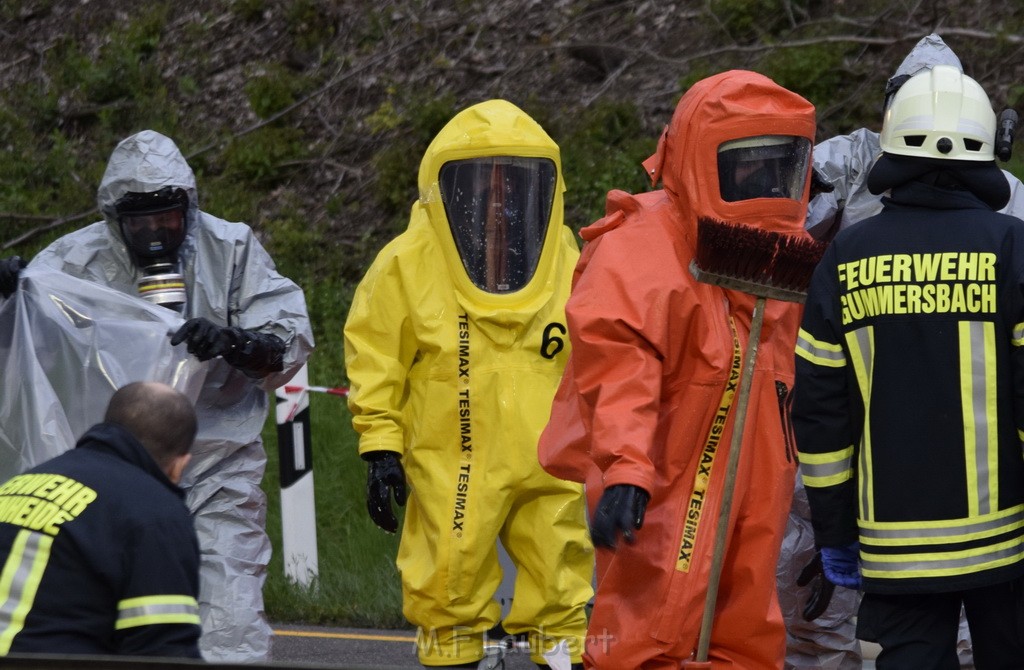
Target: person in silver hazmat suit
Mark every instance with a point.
(828, 642)
(248, 321)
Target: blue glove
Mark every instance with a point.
(842, 565)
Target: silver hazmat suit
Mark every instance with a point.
(230, 280)
(829, 641)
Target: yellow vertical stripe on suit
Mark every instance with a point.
(19, 581)
(861, 343)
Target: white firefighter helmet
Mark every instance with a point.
(940, 113)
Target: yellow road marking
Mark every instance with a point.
(347, 636)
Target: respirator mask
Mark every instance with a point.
(153, 226)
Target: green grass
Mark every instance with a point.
(358, 584)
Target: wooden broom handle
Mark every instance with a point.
(717, 557)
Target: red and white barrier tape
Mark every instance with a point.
(302, 390)
(333, 390)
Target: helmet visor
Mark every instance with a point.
(499, 209)
(767, 166)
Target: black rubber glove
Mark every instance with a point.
(9, 269)
(384, 477)
(255, 354)
(821, 588)
(819, 184)
(621, 508)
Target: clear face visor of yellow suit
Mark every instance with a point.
(498, 210)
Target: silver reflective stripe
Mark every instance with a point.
(941, 564)
(19, 582)
(818, 352)
(980, 416)
(161, 609)
(828, 469)
(944, 531)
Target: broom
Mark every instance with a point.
(767, 265)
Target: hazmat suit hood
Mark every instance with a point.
(729, 106)
(929, 51)
(143, 163)
(495, 128)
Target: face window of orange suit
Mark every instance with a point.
(498, 210)
(764, 166)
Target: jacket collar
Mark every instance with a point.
(115, 440)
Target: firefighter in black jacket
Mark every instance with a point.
(910, 380)
(98, 551)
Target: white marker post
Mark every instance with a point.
(298, 509)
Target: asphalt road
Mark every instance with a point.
(358, 649)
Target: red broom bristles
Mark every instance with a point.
(757, 256)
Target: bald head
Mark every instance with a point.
(159, 417)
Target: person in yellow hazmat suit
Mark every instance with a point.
(454, 346)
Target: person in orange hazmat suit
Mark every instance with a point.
(644, 413)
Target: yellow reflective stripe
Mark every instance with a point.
(826, 458)
(861, 343)
(810, 481)
(941, 531)
(161, 609)
(19, 582)
(819, 353)
(826, 469)
(941, 564)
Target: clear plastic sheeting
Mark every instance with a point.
(66, 345)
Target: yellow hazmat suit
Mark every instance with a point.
(455, 344)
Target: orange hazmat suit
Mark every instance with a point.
(647, 395)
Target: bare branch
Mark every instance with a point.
(38, 230)
(338, 78)
(607, 82)
(793, 44)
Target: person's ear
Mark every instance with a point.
(177, 466)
